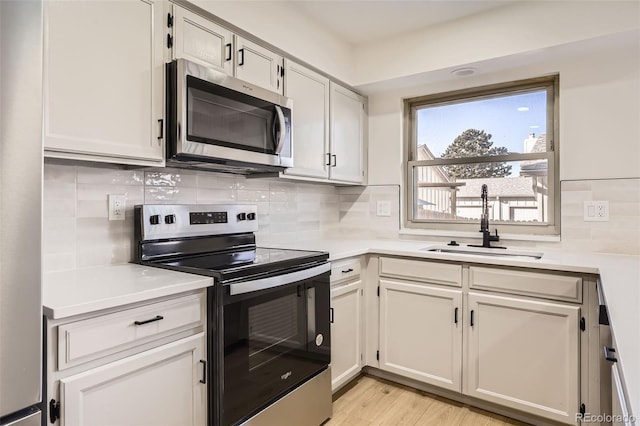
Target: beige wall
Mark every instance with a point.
(279, 24)
(523, 26)
(599, 110)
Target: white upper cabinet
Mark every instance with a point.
(200, 40)
(259, 66)
(328, 127)
(310, 93)
(103, 81)
(347, 135)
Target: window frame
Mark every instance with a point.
(411, 105)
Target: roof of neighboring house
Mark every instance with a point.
(520, 186)
(424, 153)
(535, 165)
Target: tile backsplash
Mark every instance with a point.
(77, 232)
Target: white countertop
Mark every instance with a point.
(619, 274)
(81, 291)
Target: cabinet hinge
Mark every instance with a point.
(603, 315)
(583, 409)
(169, 41)
(169, 20)
(583, 324)
(378, 291)
(361, 357)
(54, 410)
(377, 355)
(361, 292)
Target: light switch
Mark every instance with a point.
(596, 211)
(383, 208)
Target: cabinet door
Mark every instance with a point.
(620, 410)
(421, 332)
(347, 135)
(200, 40)
(310, 93)
(346, 333)
(103, 72)
(157, 387)
(524, 354)
(259, 66)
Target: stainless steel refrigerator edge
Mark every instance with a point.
(21, 170)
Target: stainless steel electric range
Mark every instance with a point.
(269, 341)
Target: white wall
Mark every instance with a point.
(279, 24)
(599, 108)
(524, 26)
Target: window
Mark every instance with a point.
(503, 136)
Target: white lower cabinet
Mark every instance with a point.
(524, 354)
(161, 386)
(346, 332)
(421, 332)
(506, 347)
(145, 364)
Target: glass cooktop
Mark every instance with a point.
(243, 263)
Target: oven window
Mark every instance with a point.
(273, 329)
(217, 115)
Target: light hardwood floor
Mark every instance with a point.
(373, 401)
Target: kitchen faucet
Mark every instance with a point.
(487, 238)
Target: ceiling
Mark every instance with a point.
(366, 21)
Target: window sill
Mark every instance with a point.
(465, 234)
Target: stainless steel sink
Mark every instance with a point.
(490, 252)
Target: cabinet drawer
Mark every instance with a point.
(343, 270)
(93, 338)
(556, 287)
(433, 272)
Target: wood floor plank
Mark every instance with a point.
(376, 402)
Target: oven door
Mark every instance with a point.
(276, 336)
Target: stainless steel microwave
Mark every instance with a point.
(217, 122)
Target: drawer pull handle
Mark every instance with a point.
(157, 318)
(331, 315)
(608, 354)
(204, 371)
(346, 271)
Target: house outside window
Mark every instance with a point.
(503, 136)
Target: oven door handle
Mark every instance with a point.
(277, 281)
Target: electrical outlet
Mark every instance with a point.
(383, 208)
(596, 211)
(116, 206)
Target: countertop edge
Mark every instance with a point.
(120, 301)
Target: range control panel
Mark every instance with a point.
(158, 221)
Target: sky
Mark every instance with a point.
(508, 119)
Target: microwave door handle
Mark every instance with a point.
(280, 134)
